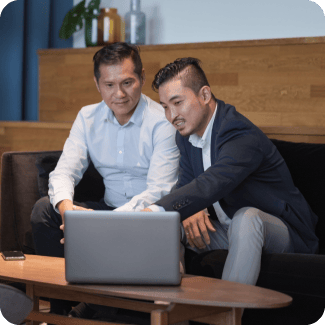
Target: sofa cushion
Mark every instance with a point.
(306, 164)
(289, 273)
(90, 188)
(45, 164)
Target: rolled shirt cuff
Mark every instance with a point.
(156, 208)
(58, 198)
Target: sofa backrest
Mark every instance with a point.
(25, 175)
(19, 192)
(24, 180)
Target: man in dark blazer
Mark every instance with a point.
(234, 189)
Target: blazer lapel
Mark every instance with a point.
(197, 161)
(215, 129)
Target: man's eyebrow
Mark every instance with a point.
(170, 99)
(112, 81)
(174, 97)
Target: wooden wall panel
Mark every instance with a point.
(65, 85)
(33, 136)
(273, 82)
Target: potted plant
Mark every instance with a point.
(73, 21)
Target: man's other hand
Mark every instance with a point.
(196, 229)
(66, 206)
(146, 210)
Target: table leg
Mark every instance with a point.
(221, 316)
(234, 316)
(30, 293)
(159, 317)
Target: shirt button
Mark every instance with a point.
(120, 152)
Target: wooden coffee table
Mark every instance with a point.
(198, 298)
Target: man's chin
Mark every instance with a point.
(184, 133)
(126, 108)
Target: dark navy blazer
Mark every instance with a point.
(246, 170)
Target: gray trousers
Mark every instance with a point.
(250, 233)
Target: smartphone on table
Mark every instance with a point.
(13, 255)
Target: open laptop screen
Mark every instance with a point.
(122, 247)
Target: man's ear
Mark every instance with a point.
(96, 83)
(143, 77)
(205, 93)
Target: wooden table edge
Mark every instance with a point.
(161, 314)
(178, 309)
(122, 295)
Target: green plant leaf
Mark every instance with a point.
(72, 21)
(94, 4)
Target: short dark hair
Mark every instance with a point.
(116, 53)
(195, 78)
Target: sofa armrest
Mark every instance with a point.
(7, 229)
(19, 192)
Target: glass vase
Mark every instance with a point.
(109, 26)
(135, 25)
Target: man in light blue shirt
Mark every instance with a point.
(129, 141)
(137, 159)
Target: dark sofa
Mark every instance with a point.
(24, 180)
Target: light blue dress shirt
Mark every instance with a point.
(138, 160)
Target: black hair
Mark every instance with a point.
(195, 77)
(116, 53)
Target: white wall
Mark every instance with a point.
(187, 21)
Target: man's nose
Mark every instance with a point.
(173, 114)
(120, 92)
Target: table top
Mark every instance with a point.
(50, 272)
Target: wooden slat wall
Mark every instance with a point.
(277, 82)
(33, 136)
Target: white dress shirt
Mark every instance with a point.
(205, 144)
(138, 160)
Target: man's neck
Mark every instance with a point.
(125, 118)
(212, 107)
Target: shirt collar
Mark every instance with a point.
(199, 142)
(137, 116)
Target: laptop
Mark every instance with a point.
(122, 247)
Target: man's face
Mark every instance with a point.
(184, 109)
(120, 88)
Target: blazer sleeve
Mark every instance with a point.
(238, 155)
